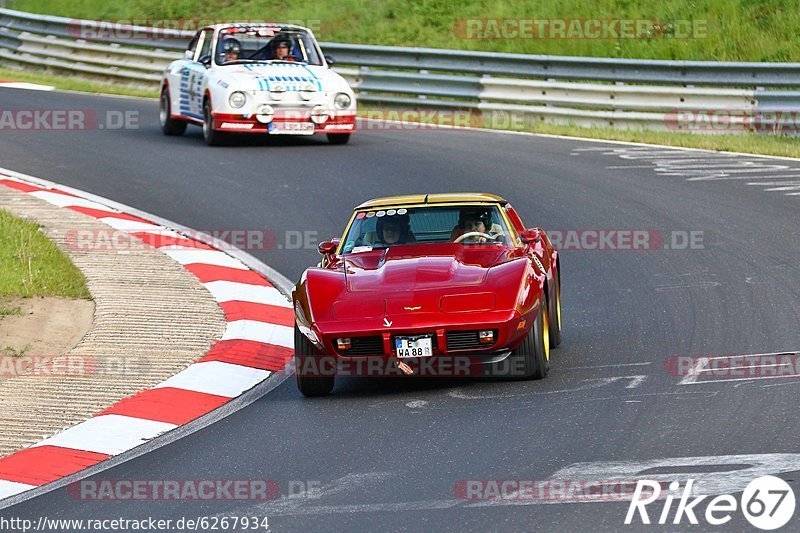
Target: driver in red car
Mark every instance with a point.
(474, 220)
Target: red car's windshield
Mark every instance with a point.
(468, 224)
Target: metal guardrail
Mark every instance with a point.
(558, 89)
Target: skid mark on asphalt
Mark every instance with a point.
(698, 166)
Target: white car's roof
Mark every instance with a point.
(217, 27)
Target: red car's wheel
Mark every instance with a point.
(312, 378)
(531, 359)
(555, 309)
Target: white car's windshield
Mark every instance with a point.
(247, 44)
(467, 224)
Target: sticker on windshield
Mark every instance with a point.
(380, 214)
(391, 212)
(359, 249)
(371, 214)
(402, 211)
(360, 215)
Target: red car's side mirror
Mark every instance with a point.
(531, 236)
(328, 247)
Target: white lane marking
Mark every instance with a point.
(694, 372)
(744, 469)
(416, 404)
(65, 200)
(697, 165)
(587, 384)
(26, 86)
(210, 257)
(130, 226)
(603, 366)
(109, 434)
(215, 377)
(252, 330)
(231, 291)
(10, 488)
(701, 285)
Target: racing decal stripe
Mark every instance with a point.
(37, 466)
(174, 406)
(257, 342)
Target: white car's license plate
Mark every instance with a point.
(406, 348)
(291, 128)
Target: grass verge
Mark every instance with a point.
(70, 83)
(32, 265)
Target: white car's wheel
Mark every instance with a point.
(211, 136)
(169, 125)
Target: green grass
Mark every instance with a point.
(68, 83)
(14, 311)
(32, 265)
(13, 352)
(736, 30)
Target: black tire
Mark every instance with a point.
(211, 136)
(531, 359)
(555, 310)
(307, 368)
(338, 138)
(169, 125)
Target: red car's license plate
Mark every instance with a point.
(406, 348)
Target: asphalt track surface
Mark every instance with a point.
(387, 453)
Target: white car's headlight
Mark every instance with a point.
(307, 91)
(276, 92)
(265, 113)
(341, 101)
(237, 99)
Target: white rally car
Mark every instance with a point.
(256, 78)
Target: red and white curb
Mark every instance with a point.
(257, 342)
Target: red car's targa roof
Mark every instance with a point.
(441, 198)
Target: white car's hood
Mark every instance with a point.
(291, 76)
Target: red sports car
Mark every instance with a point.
(429, 284)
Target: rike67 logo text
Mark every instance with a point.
(767, 503)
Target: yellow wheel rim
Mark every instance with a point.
(546, 332)
(558, 306)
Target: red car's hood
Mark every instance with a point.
(422, 266)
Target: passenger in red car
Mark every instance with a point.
(394, 230)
